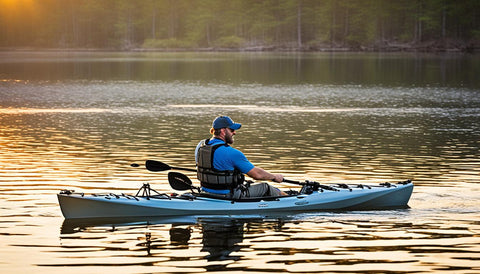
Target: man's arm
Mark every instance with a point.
(260, 174)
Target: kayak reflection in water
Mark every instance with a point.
(179, 236)
(221, 168)
(221, 238)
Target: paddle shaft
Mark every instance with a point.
(183, 168)
(292, 182)
(153, 165)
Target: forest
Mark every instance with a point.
(240, 24)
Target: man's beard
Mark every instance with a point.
(229, 139)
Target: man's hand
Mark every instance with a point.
(278, 178)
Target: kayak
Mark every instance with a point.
(312, 197)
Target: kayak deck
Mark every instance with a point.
(335, 197)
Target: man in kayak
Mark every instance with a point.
(221, 168)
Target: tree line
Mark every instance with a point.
(246, 24)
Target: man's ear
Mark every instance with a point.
(223, 132)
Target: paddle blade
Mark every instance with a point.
(152, 165)
(179, 181)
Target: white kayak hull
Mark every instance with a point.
(75, 205)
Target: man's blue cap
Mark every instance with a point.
(225, 121)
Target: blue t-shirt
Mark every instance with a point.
(227, 157)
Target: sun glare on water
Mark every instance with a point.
(42, 110)
(17, 7)
(15, 3)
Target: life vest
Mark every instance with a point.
(211, 177)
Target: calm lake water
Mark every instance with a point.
(78, 120)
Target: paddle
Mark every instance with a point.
(155, 166)
(180, 181)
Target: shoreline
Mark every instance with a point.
(427, 47)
